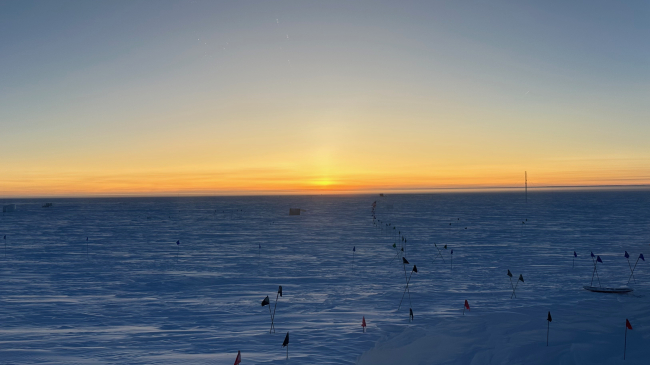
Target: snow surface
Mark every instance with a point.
(129, 301)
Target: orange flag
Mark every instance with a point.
(238, 359)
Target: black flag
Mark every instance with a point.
(411, 313)
(404, 260)
(509, 273)
(445, 247)
(266, 301)
(415, 268)
(549, 317)
(521, 278)
(279, 290)
(286, 340)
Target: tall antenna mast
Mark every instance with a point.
(526, 185)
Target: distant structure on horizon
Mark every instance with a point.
(294, 211)
(526, 185)
(381, 195)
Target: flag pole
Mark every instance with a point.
(274, 308)
(521, 278)
(406, 289)
(548, 327)
(574, 260)
(178, 248)
(594, 271)
(628, 280)
(511, 285)
(625, 344)
(273, 316)
(452, 260)
(439, 253)
(630, 265)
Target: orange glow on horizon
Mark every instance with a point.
(269, 182)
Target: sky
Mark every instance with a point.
(274, 97)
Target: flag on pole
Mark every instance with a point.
(411, 313)
(363, 323)
(238, 359)
(592, 254)
(521, 278)
(627, 255)
(415, 268)
(280, 290)
(575, 254)
(178, 242)
(509, 273)
(466, 304)
(286, 343)
(549, 318)
(641, 257)
(598, 259)
(394, 245)
(628, 326)
(404, 261)
(266, 301)
(354, 248)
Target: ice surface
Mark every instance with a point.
(124, 297)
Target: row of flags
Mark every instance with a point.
(285, 343)
(549, 319)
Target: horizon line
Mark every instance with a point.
(427, 190)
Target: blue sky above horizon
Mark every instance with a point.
(204, 96)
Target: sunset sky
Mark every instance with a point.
(255, 97)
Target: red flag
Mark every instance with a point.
(238, 359)
(466, 304)
(627, 324)
(363, 322)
